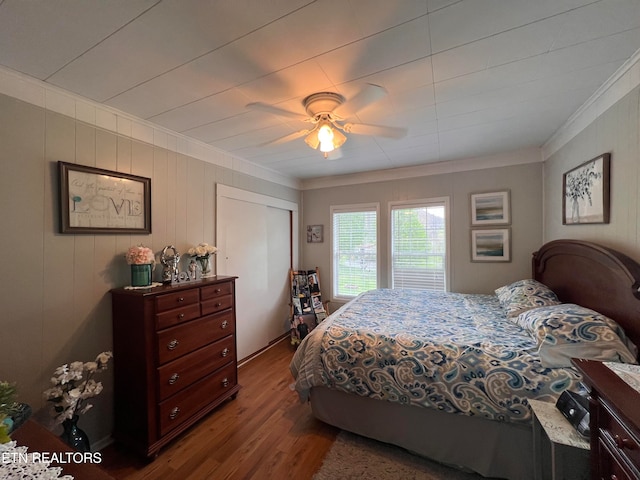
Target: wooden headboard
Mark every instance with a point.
(595, 277)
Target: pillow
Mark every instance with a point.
(568, 330)
(524, 295)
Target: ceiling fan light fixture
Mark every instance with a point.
(325, 136)
(338, 138)
(312, 139)
(328, 112)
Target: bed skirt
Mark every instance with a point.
(489, 448)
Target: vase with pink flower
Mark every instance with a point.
(141, 260)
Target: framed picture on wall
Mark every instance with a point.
(315, 234)
(93, 200)
(585, 192)
(491, 208)
(491, 245)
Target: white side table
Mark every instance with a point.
(554, 435)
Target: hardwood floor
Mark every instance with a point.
(265, 433)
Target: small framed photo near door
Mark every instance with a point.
(491, 245)
(314, 234)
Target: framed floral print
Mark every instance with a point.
(585, 192)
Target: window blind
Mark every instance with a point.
(418, 247)
(355, 247)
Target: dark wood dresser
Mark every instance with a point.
(174, 353)
(615, 423)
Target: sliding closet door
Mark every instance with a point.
(278, 265)
(254, 242)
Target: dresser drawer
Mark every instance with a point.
(189, 401)
(178, 299)
(184, 371)
(178, 315)
(217, 304)
(609, 466)
(218, 290)
(620, 440)
(177, 341)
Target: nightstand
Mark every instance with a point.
(615, 418)
(559, 451)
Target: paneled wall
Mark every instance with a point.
(55, 302)
(617, 131)
(523, 181)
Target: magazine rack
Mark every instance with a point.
(307, 308)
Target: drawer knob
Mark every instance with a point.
(173, 378)
(224, 324)
(181, 316)
(180, 299)
(174, 413)
(225, 382)
(173, 344)
(225, 352)
(218, 290)
(622, 442)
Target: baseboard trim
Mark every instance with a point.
(272, 343)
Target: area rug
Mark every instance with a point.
(356, 457)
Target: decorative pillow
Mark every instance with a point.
(568, 330)
(524, 295)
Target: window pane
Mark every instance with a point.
(418, 247)
(354, 252)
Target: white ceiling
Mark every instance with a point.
(466, 77)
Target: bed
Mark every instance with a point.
(449, 376)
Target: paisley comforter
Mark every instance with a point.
(454, 352)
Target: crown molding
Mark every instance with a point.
(517, 157)
(36, 92)
(623, 81)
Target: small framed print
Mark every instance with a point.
(490, 208)
(314, 234)
(491, 245)
(94, 201)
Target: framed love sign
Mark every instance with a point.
(93, 200)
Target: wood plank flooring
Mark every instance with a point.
(265, 433)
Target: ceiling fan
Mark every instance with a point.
(328, 112)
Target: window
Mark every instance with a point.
(419, 245)
(354, 240)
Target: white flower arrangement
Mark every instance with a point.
(70, 392)
(140, 255)
(202, 250)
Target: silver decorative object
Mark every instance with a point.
(186, 277)
(170, 264)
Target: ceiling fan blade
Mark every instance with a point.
(375, 130)
(288, 138)
(276, 111)
(368, 94)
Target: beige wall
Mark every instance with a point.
(617, 131)
(524, 182)
(55, 302)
